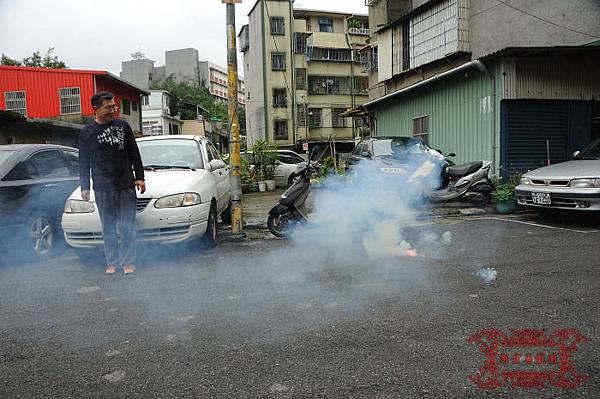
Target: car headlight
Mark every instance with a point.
(585, 183)
(177, 200)
(525, 180)
(78, 206)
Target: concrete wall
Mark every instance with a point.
(182, 64)
(159, 74)
(254, 69)
(384, 12)
(194, 127)
(137, 72)
(495, 26)
(278, 79)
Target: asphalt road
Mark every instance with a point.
(285, 319)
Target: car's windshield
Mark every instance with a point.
(592, 151)
(171, 152)
(5, 154)
(398, 147)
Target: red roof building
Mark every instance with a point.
(64, 94)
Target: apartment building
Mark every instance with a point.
(302, 73)
(157, 116)
(215, 78)
(183, 65)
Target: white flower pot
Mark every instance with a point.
(270, 185)
(262, 186)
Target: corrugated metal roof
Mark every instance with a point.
(549, 50)
(75, 71)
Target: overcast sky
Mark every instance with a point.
(100, 34)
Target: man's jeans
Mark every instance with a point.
(117, 212)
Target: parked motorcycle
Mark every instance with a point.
(290, 210)
(466, 182)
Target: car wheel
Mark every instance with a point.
(39, 235)
(210, 237)
(226, 214)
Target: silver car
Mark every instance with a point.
(573, 184)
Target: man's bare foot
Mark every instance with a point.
(128, 269)
(110, 270)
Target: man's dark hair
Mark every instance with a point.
(99, 97)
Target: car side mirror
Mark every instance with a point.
(576, 153)
(216, 164)
(451, 154)
(365, 154)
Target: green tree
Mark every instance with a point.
(6, 60)
(187, 95)
(36, 60)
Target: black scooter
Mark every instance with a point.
(290, 210)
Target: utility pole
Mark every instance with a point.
(234, 124)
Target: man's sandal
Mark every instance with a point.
(128, 269)
(110, 270)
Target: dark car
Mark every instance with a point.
(35, 181)
(392, 151)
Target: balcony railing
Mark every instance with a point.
(359, 31)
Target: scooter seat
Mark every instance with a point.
(464, 169)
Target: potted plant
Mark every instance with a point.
(504, 198)
(264, 164)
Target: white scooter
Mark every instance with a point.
(466, 182)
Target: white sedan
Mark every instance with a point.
(187, 188)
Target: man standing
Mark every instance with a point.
(107, 147)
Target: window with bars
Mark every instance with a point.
(126, 106)
(300, 42)
(331, 85)
(361, 85)
(279, 98)
(70, 100)
(300, 78)
(16, 101)
(421, 127)
(301, 115)
(329, 54)
(277, 26)
(278, 61)
(280, 129)
(315, 117)
(336, 119)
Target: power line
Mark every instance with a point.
(485, 10)
(547, 21)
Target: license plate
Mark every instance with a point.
(395, 171)
(541, 198)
